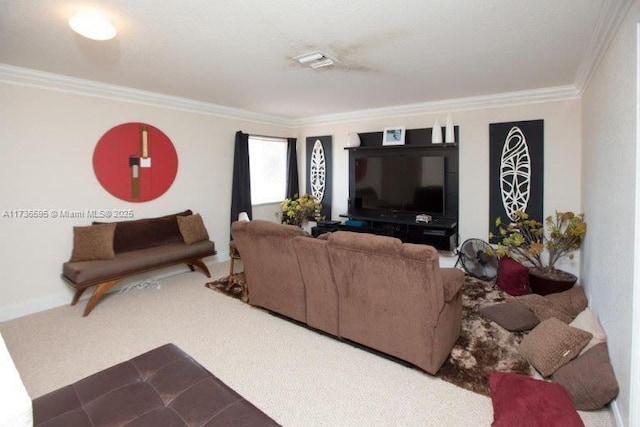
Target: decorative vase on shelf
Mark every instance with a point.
(449, 132)
(354, 140)
(436, 133)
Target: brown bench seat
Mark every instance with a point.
(88, 272)
(136, 247)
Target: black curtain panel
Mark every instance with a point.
(516, 171)
(293, 187)
(241, 187)
(319, 171)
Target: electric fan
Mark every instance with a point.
(475, 260)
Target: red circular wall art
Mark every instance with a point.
(135, 162)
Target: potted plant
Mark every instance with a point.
(527, 240)
(299, 210)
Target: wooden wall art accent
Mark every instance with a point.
(135, 162)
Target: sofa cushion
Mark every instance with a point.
(589, 379)
(93, 242)
(552, 344)
(15, 403)
(513, 277)
(511, 316)
(519, 400)
(192, 229)
(147, 233)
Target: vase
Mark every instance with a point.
(354, 140)
(307, 226)
(542, 284)
(449, 131)
(436, 133)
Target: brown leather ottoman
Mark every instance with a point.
(163, 387)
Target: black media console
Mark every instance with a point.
(441, 233)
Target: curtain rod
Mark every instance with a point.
(267, 136)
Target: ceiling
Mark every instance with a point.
(388, 53)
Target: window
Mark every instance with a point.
(268, 168)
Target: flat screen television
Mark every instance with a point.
(405, 183)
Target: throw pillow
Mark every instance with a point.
(589, 379)
(192, 229)
(519, 400)
(511, 316)
(587, 321)
(543, 308)
(93, 242)
(552, 344)
(513, 277)
(572, 301)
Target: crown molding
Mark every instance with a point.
(507, 99)
(612, 13)
(50, 81)
(27, 77)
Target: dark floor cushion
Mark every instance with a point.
(513, 277)
(589, 379)
(511, 316)
(519, 400)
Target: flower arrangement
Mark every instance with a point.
(526, 239)
(299, 210)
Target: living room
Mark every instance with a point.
(52, 122)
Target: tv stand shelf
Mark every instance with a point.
(441, 233)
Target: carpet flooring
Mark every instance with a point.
(483, 346)
(296, 376)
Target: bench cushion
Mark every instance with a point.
(163, 387)
(84, 272)
(147, 232)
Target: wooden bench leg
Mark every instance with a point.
(97, 294)
(201, 265)
(77, 295)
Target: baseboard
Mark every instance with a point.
(63, 297)
(616, 414)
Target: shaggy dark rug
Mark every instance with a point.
(483, 346)
(221, 285)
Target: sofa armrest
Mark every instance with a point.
(452, 279)
(15, 403)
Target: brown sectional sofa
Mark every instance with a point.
(373, 290)
(163, 387)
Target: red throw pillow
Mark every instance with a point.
(519, 400)
(513, 277)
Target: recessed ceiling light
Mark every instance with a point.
(92, 25)
(314, 59)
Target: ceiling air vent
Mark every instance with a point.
(314, 59)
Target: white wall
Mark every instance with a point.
(608, 191)
(46, 146)
(562, 148)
